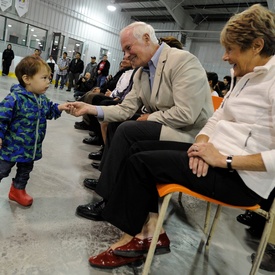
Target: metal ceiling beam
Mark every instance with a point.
(143, 9)
(224, 6)
(183, 19)
(133, 1)
(153, 18)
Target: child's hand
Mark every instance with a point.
(64, 107)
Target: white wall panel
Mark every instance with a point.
(89, 21)
(85, 20)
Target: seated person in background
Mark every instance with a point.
(219, 88)
(91, 68)
(227, 83)
(110, 85)
(212, 81)
(240, 170)
(268, 260)
(83, 85)
(101, 99)
(171, 41)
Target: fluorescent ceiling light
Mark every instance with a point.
(111, 8)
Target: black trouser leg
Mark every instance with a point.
(135, 194)
(126, 134)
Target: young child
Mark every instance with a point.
(23, 119)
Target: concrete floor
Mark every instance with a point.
(49, 239)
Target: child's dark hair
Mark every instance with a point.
(29, 65)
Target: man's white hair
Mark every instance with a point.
(139, 29)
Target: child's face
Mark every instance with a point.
(39, 83)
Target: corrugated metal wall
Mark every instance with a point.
(89, 21)
(85, 20)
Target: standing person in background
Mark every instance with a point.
(63, 65)
(23, 116)
(103, 68)
(51, 64)
(91, 68)
(37, 53)
(76, 67)
(7, 57)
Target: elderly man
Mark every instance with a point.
(173, 87)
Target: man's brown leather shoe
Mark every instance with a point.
(108, 260)
(137, 247)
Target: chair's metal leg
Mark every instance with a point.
(152, 248)
(264, 240)
(207, 217)
(214, 223)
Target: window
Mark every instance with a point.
(16, 32)
(37, 37)
(73, 47)
(2, 25)
(103, 52)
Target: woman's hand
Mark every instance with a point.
(201, 155)
(0, 143)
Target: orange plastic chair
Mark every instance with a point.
(166, 191)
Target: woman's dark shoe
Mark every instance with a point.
(92, 134)
(137, 247)
(246, 218)
(95, 165)
(97, 155)
(91, 183)
(268, 260)
(92, 140)
(81, 126)
(108, 260)
(91, 211)
(255, 232)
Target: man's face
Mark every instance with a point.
(87, 76)
(77, 56)
(104, 58)
(137, 51)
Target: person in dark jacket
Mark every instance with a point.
(76, 67)
(23, 120)
(103, 68)
(83, 85)
(7, 57)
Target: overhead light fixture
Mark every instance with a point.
(111, 7)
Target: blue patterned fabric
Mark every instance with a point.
(23, 122)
